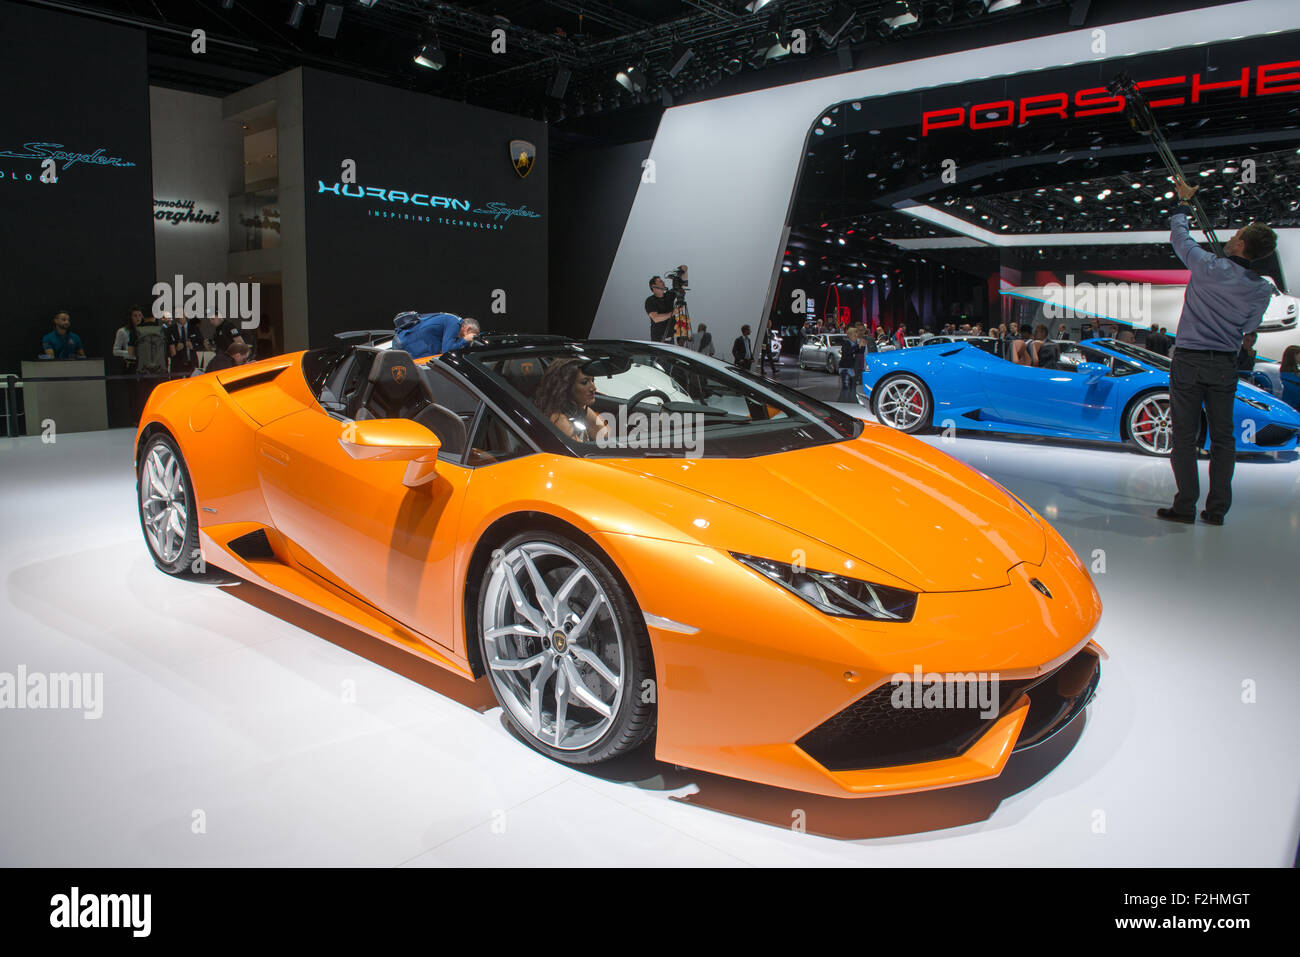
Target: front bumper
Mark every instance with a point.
(746, 693)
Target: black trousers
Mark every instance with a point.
(1203, 380)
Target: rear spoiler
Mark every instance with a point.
(370, 335)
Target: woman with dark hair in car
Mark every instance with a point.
(1291, 376)
(565, 394)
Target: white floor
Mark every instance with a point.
(228, 735)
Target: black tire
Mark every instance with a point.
(186, 562)
(927, 409)
(832, 367)
(633, 718)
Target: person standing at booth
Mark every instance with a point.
(61, 342)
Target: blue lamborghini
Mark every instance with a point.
(1101, 390)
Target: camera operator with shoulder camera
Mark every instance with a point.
(666, 307)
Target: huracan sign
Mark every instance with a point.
(1264, 80)
(393, 195)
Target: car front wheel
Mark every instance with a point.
(165, 499)
(565, 649)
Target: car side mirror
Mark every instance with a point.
(1093, 370)
(394, 440)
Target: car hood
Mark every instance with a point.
(884, 498)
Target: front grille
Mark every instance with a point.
(1274, 435)
(872, 733)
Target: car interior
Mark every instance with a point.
(656, 383)
(370, 383)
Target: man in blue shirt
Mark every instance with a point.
(1225, 300)
(60, 343)
(432, 333)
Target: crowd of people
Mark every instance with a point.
(172, 346)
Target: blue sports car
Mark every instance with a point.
(1101, 390)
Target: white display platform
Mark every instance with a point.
(229, 706)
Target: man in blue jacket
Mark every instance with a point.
(1225, 300)
(432, 333)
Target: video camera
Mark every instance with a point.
(676, 279)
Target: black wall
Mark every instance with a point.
(371, 257)
(591, 193)
(84, 243)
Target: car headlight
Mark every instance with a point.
(835, 594)
(1255, 403)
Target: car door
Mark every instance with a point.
(1051, 399)
(354, 523)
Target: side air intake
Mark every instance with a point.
(253, 547)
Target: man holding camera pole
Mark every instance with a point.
(1225, 300)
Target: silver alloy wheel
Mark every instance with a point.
(555, 653)
(831, 367)
(1151, 425)
(901, 403)
(164, 503)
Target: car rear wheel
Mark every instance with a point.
(902, 402)
(167, 509)
(565, 649)
(1150, 424)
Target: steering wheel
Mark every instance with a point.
(644, 394)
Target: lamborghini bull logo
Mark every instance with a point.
(399, 374)
(522, 156)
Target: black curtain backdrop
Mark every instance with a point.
(84, 243)
(592, 193)
(393, 248)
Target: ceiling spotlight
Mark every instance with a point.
(296, 11)
(899, 14)
(431, 57)
(753, 6)
(632, 79)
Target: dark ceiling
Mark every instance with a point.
(249, 40)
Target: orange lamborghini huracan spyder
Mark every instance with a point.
(631, 542)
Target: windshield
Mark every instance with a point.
(616, 399)
(1146, 356)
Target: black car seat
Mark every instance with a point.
(524, 374)
(394, 389)
(446, 425)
